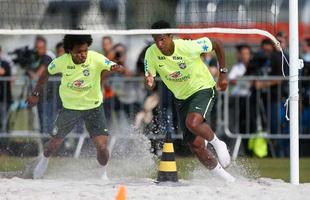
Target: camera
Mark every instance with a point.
(118, 55)
(25, 57)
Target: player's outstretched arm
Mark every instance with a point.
(149, 81)
(33, 99)
(219, 51)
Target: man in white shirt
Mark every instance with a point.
(240, 93)
(241, 88)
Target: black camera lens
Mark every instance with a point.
(118, 55)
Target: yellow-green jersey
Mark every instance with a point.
(80, 87)
(183, 72)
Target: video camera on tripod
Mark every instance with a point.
(25, 57)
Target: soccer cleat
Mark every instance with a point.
(221, 151)
(223, 154)
(40, 167)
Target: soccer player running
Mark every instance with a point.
(180, 67)
(81, 97)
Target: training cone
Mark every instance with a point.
(121, 193)
(167, 166)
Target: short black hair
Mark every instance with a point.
(239, 47)
(71, 40)
(161, 24)
(59, 45)
(281, 34)
(266, 41)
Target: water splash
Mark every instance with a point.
(129, 157)
(241, 169)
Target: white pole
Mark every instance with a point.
(293, 105)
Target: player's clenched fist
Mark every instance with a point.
(149, 81)
(118, 68)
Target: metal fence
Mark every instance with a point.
(243, 111)
(261, 112)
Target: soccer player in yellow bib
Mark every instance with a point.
(81, 96)
(179, 65)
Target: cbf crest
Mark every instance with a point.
(182, 65)
(86, 72)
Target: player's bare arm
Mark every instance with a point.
(33, 99)
(222, 81)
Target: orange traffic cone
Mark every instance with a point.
(121, 193)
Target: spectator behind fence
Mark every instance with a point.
(107, 45)
(240, 100)
(305, 88)
(305, 98)
(267, 93)
(46, 107)
(126, 90)
(59, 49)
(5, 94)
(109, 96)
(240, 92)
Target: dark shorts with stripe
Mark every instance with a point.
(94, 120)
(200, 102)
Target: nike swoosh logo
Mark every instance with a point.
(160, 65)
(68, 74)
(198, 108)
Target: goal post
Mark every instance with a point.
(294, 96)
